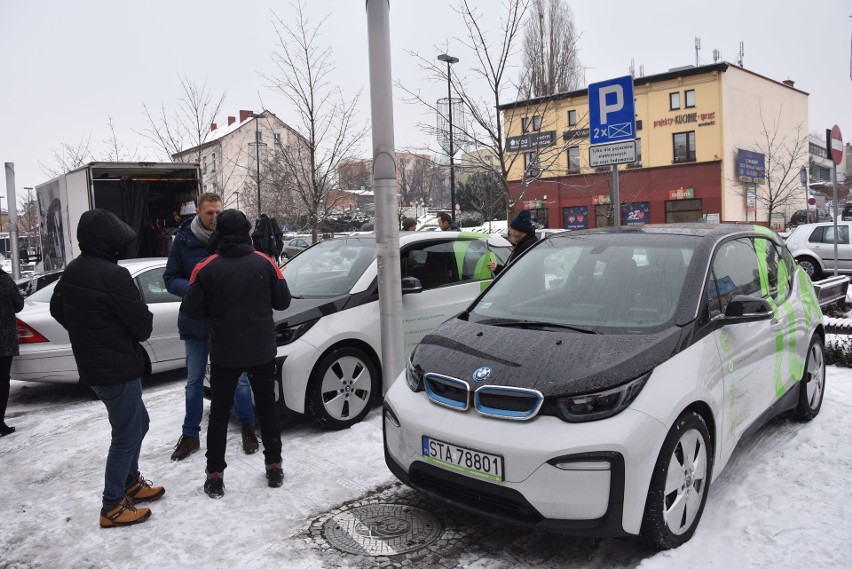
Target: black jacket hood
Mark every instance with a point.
(101, 233)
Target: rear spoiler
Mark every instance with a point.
(831, 289)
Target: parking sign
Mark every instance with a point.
(612, 113)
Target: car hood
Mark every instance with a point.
(555, 362)
(305, 309)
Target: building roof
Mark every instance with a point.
(685, 71)
(223, 131)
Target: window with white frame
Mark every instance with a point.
(689, 98)
(674, 101)
(572, 117)
(574, 159)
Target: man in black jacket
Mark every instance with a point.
(521, 235)
(235, 290)
(106, 318)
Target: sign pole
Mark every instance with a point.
(834, 149)
(615, 197)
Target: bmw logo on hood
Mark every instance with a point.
(482, 373)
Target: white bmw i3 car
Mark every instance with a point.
(601, 383)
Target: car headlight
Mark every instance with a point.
(286, 334)
(413, 376)
(600, 405)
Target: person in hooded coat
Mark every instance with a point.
(235, 290)
(521, 235)
(106, 318)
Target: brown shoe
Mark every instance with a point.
(186, 446)
(250, 444)
(124, 514)
(142, 491)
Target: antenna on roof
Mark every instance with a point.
(717, 55)
(632, 68)
(641, 70)
(697, 49)
(741, 54)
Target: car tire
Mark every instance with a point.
(342, 388)
(810, 266)
(812, 384)
(680, 484)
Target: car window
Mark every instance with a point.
(153, 288)
(816, 235)
(433, 264)
(842, 234)
(329, 268)
(44, 294)
(736, 273)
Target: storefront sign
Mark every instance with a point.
(636, 213)
(750, 167)
(705, 119)
(575, 217)
(682, 194)
(601, 200)
(531, 141)
(572, 134)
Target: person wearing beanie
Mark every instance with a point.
(409, 224)
(190, 248)
(235, 290)
(521, 235)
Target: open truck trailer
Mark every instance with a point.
(151, 197)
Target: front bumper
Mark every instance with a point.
(599, 490)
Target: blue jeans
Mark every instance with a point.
(196, 366)
(129, 421)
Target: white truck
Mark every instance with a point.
(152, 197)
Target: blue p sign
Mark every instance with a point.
(612, 114)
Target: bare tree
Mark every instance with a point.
(784, 154)
(117, 151)
(551, 59)
(68, 157)
(189, 124)
(327, 123)
(490, 116)
(28, 221)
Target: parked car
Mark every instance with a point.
(846, 212)
(329, 342)
(607, 376)
(35, 282)
(812, 246)
(295, 246)
(802, 216)
(46, 351)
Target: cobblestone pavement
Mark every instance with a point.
(465, 540)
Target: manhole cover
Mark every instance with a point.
(382, 529)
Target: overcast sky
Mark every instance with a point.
(67, 67)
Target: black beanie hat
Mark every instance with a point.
(522, 222)
(232, 226)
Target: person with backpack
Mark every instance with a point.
(267, 237)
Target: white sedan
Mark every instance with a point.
(45, 352)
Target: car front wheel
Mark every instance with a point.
(341, 388)
(679, 484)
(812, 387)
(810, 267)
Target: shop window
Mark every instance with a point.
(604, 215)
(539, 217)
(689, 97)
(684, 211)
(674, 101)
(684, 146)
(572, 118)
(574, 159)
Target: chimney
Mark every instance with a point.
(231, 120)
(244, 115)
(789, 82)
(212, 126)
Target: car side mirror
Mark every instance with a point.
(411, 285)
(748, 309)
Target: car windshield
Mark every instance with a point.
(44, 294)
(329, 268)
(622, 282)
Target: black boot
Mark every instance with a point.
(274, 476)
(214, 485)
(6, 429)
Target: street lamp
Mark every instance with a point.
(257, 144)
(449, 61)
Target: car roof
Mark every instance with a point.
(406, 237)
(703, 230)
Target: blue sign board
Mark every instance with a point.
(751, 167)
(285, 228)
(575, 217)
(636, 213)
(612, 113)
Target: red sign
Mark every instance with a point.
(836, 145)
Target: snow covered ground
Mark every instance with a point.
(784, 501)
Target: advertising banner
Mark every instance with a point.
(751, 168)
(575, 217)
(636, 213)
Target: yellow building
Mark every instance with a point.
(702, 134)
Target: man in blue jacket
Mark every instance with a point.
(188, 249)
(106, 318)
(235, 291)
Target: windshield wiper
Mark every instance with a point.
(535, 324)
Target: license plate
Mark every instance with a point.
(464, 460)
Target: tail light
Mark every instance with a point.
(27, 334)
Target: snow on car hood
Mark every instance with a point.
(555, 362)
